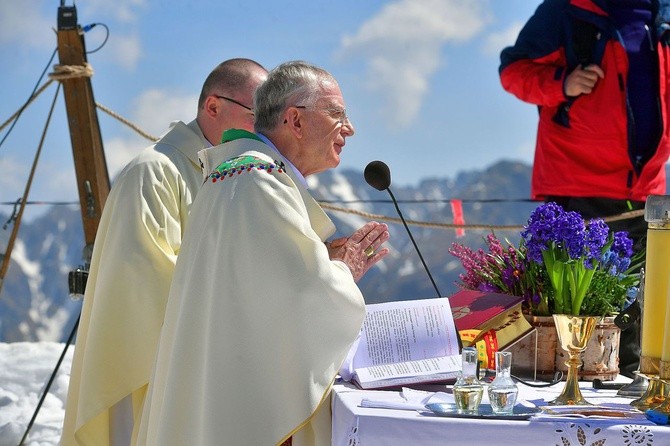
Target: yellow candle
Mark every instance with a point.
(655, 324)
(665, 351)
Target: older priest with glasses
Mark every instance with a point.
(262, 309)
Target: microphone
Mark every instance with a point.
(378, 175)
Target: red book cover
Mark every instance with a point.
(473, 309)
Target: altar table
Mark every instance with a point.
(354, 425)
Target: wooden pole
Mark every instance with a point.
(89, 157)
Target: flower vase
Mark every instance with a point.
(574, 333)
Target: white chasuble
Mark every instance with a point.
(259, 319)
(135, 250)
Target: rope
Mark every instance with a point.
(15, 213)
(126, 122)
(378, 217)
(426, 224)
(23, 107)
(625, 216)
(50, 382)
(15, 228)
(63, 72)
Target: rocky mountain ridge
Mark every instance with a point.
(35, 304)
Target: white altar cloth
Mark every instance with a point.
(354, 425)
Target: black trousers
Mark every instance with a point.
(596, 207)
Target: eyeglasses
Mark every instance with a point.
(339, 114)
(234, 102)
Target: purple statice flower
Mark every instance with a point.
(495, 247)
(497, 269)
(473, 262)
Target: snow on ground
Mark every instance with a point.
(25, 369)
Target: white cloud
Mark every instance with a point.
(22, 23)
(152, 113)
(25, 24)
(125, 11)
(126, 50)
(401, 46)
(124, 42)
(495, 42)
(154, 109)
(60, 184)
(11, 178)
(119, 151)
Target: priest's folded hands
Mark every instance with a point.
(362, 249)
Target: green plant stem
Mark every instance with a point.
(556, 271)
(586, 276)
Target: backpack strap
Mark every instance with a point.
(585, 47)
(585, 37)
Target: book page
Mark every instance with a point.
(448, 365)
(397, 332)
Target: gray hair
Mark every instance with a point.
(291, 83)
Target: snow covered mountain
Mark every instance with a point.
(35, 304)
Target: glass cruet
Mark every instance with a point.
(468, 390)
(503, 390)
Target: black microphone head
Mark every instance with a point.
(378, 175)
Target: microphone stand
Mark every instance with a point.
(378, 175)
(397, 208)
(418, 251)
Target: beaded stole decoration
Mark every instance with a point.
(244, 163)
(238, 165)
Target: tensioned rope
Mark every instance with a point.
(623, 216)
(126, 122)
(60, 72)
(22, 206)
(23, 107)
(68, 72)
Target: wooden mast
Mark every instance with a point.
(89, 158)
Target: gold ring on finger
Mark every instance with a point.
(369, 251)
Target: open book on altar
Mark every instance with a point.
(416, 341)
(404, 342)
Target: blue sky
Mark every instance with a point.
(419, 77)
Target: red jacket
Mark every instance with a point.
(582, 145)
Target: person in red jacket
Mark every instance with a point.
(598, 70)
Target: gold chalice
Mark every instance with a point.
(574, 333)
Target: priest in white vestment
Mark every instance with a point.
(135, 250)
(262, 309)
